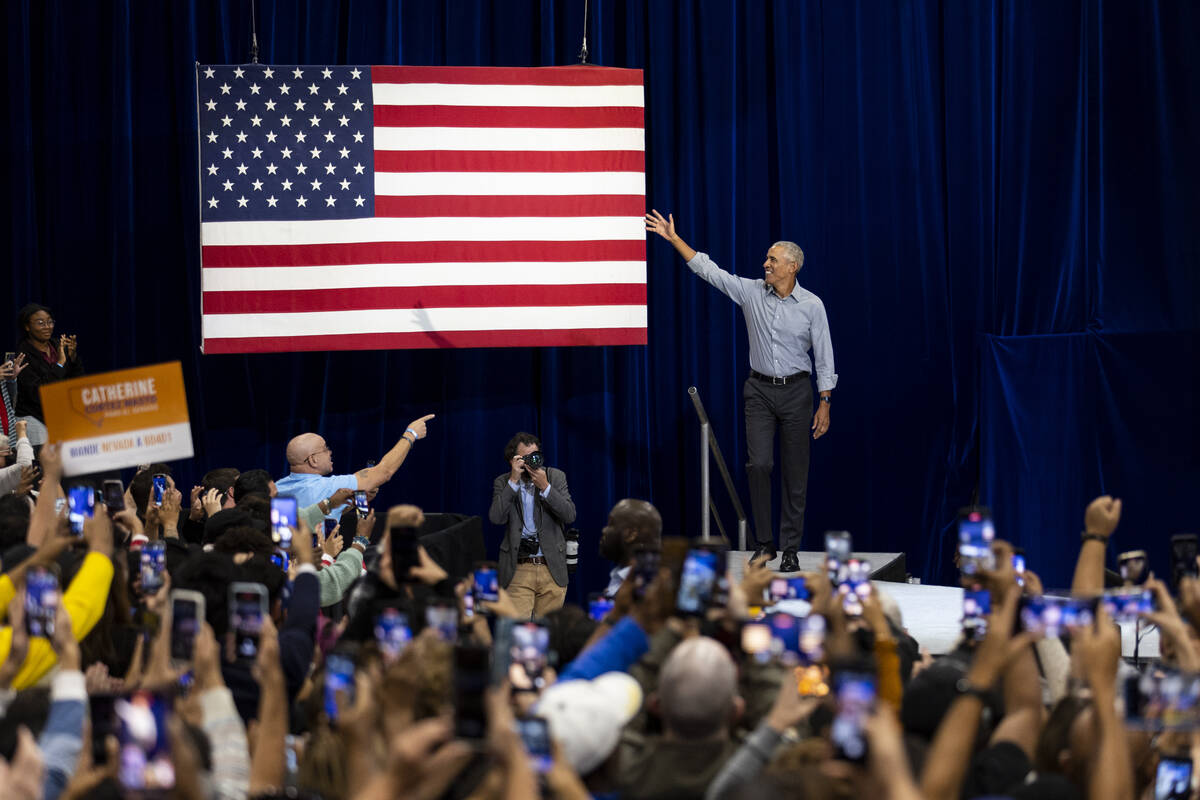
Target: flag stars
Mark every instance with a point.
(211, 105)
(208, 73)
(300, 201)
(301, 136)
(255, 88)
(358, 201)
(301, 169)
(271, 168)
(316, 184)
(257, 185)
(358, 169)
(345, 184)
(241, 168)
(242, 201)
(241, 105)
(315, 152)
(354, 73)
(358, 104)
(270, 73)
(327, 73)
(314, 120)
(342, 88)
(286, 153)
(298, 73)
(256, 121)
(329, 201)
(313, 88)
(225, 87)
(212, 137)
(284, 88)
(330, 169)
(285, 121)
(270, 105)
(287, 185)
(329, 136)
(227, 153)
(212, 169)
(225, 120)
(271, 137)
(271, 201)
(239, 72)
(212, 201)
(358, 137)
(343, 120)
(299, 105)
(228, 184)
(256, 152)
(329, 105)
(344, 153)
(241, 137)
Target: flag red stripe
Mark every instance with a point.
(521, 76)
(419, 253)
(576, 337)
(509, 161)
(508, 117)
(586, 205)
(307, 300)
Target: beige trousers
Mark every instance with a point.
(534, 592)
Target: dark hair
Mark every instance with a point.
(510, 449)
(1056, 733)
(570, 628)
(259, 569)
(252, 481)
(221, 479)
(14, 521)
(23, 316)
(257, 506)
(244, 539)
(139, 487)
(30, 708)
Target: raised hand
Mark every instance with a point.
(418, 425)
(1102, 515)
(663, 227)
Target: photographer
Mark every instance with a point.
(533, 503)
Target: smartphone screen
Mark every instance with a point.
(812, 680)
(977, 604)
(246, 614)
(486, 585)
(185, 624)
(855, 703)
(785, 637)
(283, 521)
(468, 603)
(330, 526)
(788, 589)
(114, 495)
(697, 580)
(975, 535)
(152, 562)
(529, 656)
(1018, 562)
(756, 641)
(1127, 605)
(145, 747)
(471, 674)
(1053, 616)
(159, 485)
(812, 638)
(360, 505)
(1173, 779)
(599, 607)
(281, 560)
(339, 683)
(103, 714)
(41, 602)
(535, 734)
(443, 618)
(81, 502)
(855, 586)
(403, 541)
(392, 633)
(837, 552)
(645, 570)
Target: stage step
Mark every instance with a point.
(884, 566)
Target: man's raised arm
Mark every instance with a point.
(666, 229)
(374, 477)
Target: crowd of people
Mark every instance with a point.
(253, 637)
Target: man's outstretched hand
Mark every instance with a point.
(663, 227)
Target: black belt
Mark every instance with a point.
(784, 381)
(531, 560)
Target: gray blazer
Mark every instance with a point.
(551, 514)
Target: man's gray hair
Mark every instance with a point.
(792, 252)
(697, 688)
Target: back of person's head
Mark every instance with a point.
(521, 438)
(570, 629)
(257, 506)
(209, 574)
(244, 539)
(637, 524)
(1063, 737)
(697, 689)
(252, 482)
(29, 708)
(14, 522)
(139, 486)
(221, 479)
(260, 569)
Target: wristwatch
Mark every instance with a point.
(362, 542)
(1097, 537)
(825, 398)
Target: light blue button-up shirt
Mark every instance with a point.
(525, 490)
(781, 329)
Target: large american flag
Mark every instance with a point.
(348, 208)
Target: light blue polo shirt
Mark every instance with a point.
(311, 489)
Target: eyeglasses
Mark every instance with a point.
(314, 455)
(42, 323)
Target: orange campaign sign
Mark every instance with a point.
(119, 419)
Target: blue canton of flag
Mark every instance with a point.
(286, 143)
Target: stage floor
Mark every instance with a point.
(932, 614)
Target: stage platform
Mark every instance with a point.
(932, 614)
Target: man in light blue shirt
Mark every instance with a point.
(783, 321)
(312, 482)
(633, 525)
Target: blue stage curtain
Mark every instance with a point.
(996, 201)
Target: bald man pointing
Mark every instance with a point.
(312, 481)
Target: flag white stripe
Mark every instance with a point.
(423, 229)
(508, 139)
(377, 321)
(369, 276)
(410, 184)
(495, 96)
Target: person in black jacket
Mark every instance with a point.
(48, 360)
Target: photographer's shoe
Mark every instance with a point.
(789, 562)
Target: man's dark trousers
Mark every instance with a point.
(788, 407)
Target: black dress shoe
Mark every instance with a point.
(789, 562)
(763, 554)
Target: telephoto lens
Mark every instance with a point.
(535, 460)
(572, 537)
